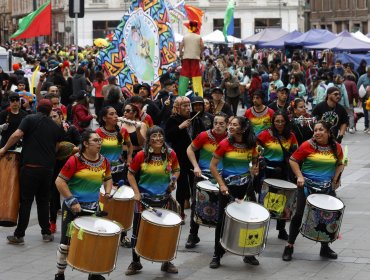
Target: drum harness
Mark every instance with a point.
(311, 187)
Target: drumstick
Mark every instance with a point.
(195, 115)
(97, 213)
(150, 208)
(201, 175)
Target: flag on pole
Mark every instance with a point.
(37, 23)
(194, 14)
(229, 19)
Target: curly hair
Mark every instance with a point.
(177, 104)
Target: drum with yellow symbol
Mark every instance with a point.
(245, 228)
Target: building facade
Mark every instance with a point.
(339, 15)
(6, 26)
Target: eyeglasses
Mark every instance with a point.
(128, 111)
(156, 137)
(14, 100)
(97, 140)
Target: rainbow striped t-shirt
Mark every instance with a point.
(272, 149)
(84, 178)
(318, 162)
(206, 142)
(235, 157)
(155, 175)
(259, 120)
(110, 148)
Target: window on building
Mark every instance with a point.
(338, 26)
(102, 28)
(326, 5)
(218, 23)
(99, 1)
(343, 5)
(317, 4)
(361, 4)
(263, 23)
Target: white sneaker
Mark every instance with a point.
(351, 130)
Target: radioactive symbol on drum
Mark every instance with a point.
(251, 237)
(275, 202)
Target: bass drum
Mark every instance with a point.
(245, 228)
(158, 237)
(94, 245)
(9, 189)
(322, 218)
(120, 207)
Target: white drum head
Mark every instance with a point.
(97, 225)
(168, 218)
(124, 192)
(207, 185)
(325, 201)
(280, 184)
(248, 212)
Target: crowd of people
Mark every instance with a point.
(169, 142)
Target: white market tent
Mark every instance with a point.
(360, 36)
(217, 37)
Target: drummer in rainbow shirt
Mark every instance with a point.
(152, 174)
(279, 142)
(321, 160)
(79, 183)
(236, 153)
(206, 143)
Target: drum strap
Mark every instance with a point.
(312, 187)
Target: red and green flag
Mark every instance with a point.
(37, 23)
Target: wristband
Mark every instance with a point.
(70, 201)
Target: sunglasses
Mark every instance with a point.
(14, 99)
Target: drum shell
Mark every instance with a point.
(289, 195)
(155, 242)
(96, 253)
(321, 225)
(236, 231)
(206, 207)
(9, 189)
(119, 210)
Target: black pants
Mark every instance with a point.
(237, 192)
(55, 195)
(194, 227)
(184, 187)
(34, 183)
(233, 101)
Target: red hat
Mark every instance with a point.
(16, 67)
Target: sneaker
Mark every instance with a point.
(96, 277)
(193, 239)
(12, 239)
(169, 267)
(183, 217)
(59, 277)
(215, 263)
(133, 268)
(351, 130)
(251, 260)
(53, 227)
(283, 235)
(288, 252)
(366, 129)
(125, 242)
(326, 252)
(47, 237)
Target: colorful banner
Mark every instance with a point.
(143, 46)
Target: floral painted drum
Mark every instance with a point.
(206, 204)
(322, 218)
